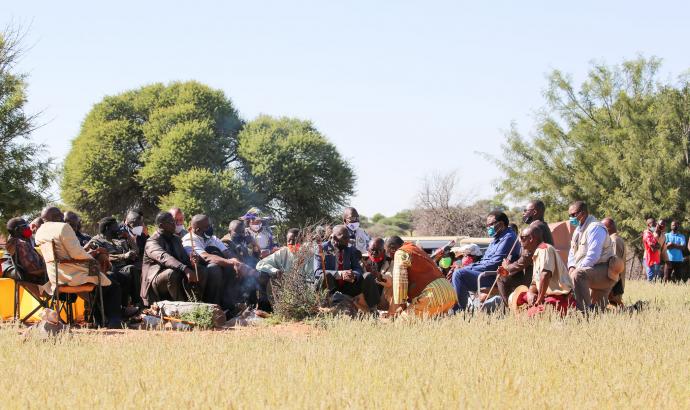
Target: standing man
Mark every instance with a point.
(178, 216)
(652, 249)
(358, 237)
(675, 243)
(504, 239)
(588, 259)
(533, 214)
(337, 268)
(134, 224)
(616, 295)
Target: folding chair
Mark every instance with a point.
(30, 288)
(69, 295)
(474, 296)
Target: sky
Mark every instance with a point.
(404, 89)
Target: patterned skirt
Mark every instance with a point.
(437, 298)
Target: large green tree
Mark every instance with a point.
(25, 171)
(620, 142)
(298, 171)
(133, 148)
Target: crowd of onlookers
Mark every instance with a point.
(189, 261)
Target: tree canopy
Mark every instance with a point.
(620, 142)
(135, 148)
(295, 168)
(25, 171)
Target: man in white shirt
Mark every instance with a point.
(227, 277)
(588, 260)
(359, 239)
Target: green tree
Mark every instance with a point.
(296, 168)
(132, 146)
(619, 142)
(25, 171)
(219, 195)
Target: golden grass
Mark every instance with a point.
(609, 361)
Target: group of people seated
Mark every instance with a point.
(181, 262)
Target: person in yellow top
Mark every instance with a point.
(419, 287)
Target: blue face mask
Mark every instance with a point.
(573, 221)
(491, 231)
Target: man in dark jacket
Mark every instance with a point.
(338, 264)
(167, 272)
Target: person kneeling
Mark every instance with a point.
(419, 286)
(551, 284)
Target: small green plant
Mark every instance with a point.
(201, 316)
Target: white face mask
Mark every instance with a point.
(353, 226)
(255, 228)
(179, 228)
(137, 230)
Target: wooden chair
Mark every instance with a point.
(64, 296)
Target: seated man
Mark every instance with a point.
(284, 258)
(242, 246)
(136, 232)
(616, 295)
(75, 266)
(73, 220)
(178, 215)
(167, 271)
(465, 279)
(551, 284)
(591, 250)
(216, 260)
(122, 255)
(419, 286)
(380, 265)
(337, 268)
(20, 259)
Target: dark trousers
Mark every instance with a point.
(507, 284)
(129, 277)
(673, 271)
(112, 296)
(170, 284)
(365, 284)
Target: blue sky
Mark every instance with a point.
(404, 89)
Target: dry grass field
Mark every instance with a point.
(607, 361)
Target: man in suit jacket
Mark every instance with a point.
(338, 264)
(168, 271)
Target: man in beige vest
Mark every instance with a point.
(75, 265)
(588, 259)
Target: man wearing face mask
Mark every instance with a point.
(122, 255)
(257, 229)
(465, 280)
(167, 268)
(358, 237)
(20, 259)
(533, 215)
(217, 262)
(73, 220)
(178, 215)
(337, 268)
(380, 265)
(591, 250)
(134, 224)
(519, 272)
